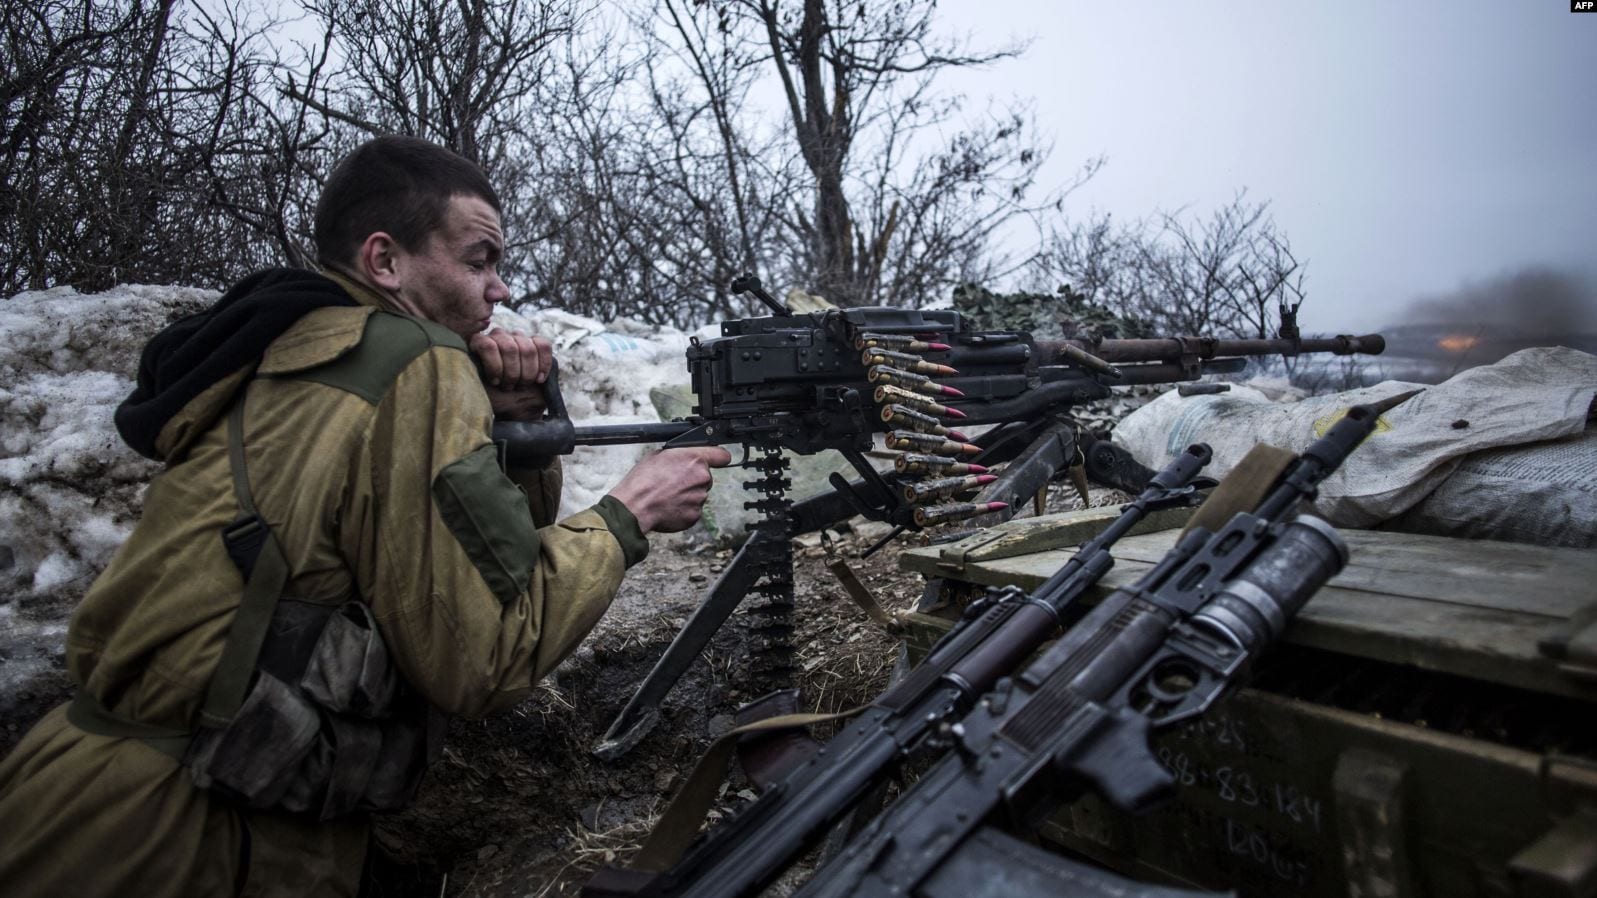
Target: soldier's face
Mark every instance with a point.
(453, 280)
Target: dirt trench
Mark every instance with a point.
(520, 807)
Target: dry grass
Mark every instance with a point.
(585, 852)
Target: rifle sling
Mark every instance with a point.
(1243, 489)
(683, 817)
(263, 585)
(250, 544)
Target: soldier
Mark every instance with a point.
(333, 559)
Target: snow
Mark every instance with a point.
(70, 490)
(615, 373)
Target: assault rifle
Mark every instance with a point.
(834, 380)
(1147, 657)
(987, 644)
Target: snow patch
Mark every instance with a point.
(610, 373)
(70, 490)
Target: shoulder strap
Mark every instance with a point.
(252, 547)
(251, 544)
(387, 345)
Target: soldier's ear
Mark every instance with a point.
(378, 260)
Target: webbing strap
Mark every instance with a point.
(87, 714)
(262, 589)
(680, 823)
(1242, 489)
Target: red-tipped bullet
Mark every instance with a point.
(900, 342)
(903, 416)
(938, 514)
(888, 393)
(941, 465)
(927, 490)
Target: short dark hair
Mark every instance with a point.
(400, 185)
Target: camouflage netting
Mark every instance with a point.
(1065, 314)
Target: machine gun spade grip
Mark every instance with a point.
(527, 441)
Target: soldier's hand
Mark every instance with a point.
(666, 491)
(514, 367)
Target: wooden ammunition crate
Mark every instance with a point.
(1428, 727)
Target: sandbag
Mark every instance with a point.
(1542, 493)
(1518, 428)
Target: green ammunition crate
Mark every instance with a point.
(1428, 727)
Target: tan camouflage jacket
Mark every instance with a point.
(393, 496)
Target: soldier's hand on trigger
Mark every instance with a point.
(666, 491)
(514, 367)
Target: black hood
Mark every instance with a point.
(194, 353)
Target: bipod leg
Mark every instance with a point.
(1051, 451)
(643, 710)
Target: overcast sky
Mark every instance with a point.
(1406, 148)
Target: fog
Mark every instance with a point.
(1410, 151)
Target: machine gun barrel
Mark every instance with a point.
(1173, 348)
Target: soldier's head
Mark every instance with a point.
(397, 185)
(418, 223)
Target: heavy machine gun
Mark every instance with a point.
(1015, 736)
(835, 379)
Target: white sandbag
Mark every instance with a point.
(1531, 396)
(1541, 493)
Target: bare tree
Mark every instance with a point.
(1228, 274)
(173, 142)
(856, 77)
(120, 120)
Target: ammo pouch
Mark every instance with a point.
(326, 727)
(305, 711)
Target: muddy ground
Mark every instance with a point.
(520, 807)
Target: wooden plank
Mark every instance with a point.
(1056, 531)
(1539, 580)
(1418, 600)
